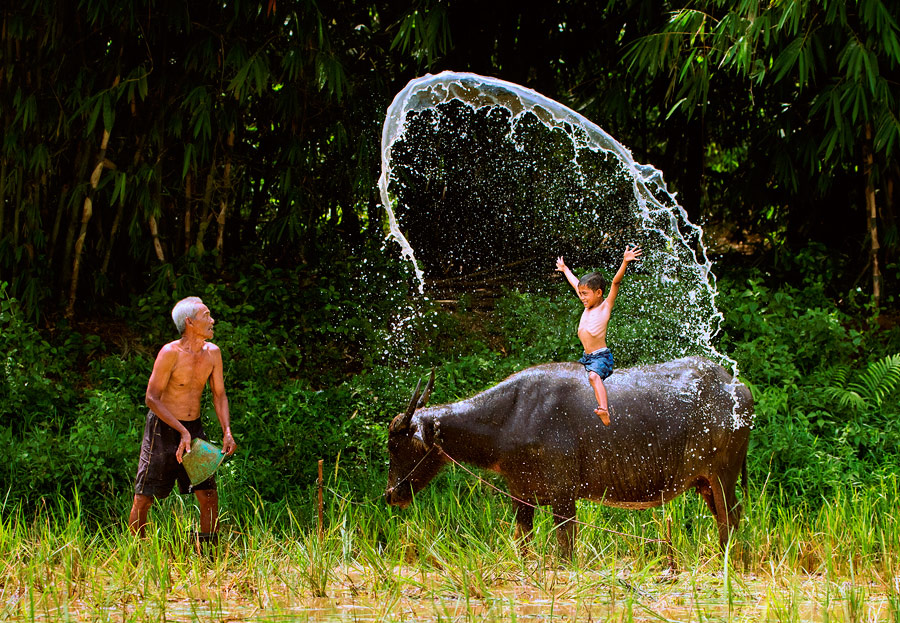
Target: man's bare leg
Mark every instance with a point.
(208, 499)
(137, 519)
(602, 409)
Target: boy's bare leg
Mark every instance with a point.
(602, 409)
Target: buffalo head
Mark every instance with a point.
(414, 460)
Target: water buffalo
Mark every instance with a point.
(675, 426)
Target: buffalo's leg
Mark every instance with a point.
(706, 492)
(524, 525)
(730, 509)
(567, 530)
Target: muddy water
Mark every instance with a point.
(356, 594)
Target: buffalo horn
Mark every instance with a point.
(412, 405)
(427, 393)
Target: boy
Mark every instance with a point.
(597, 360)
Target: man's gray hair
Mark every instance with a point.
(184, 309)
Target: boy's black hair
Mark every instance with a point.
(595, 281)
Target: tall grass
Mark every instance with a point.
(453, 555)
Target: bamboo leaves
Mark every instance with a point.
(26, 109)
(859, 64)
(198, 106)
(831, 64)
(425, 32)
(786, 43)
(252, 78)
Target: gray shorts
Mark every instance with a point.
(158, 469)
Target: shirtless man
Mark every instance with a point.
(598, 359)
(181, 371)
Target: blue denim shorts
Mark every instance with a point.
(599, 361)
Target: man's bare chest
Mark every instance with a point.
(191, 370)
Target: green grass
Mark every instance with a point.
(452, 556)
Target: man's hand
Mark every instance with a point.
(631, 254)
(184, 447)
(228, 445)
(560, 265)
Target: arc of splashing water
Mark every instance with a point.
(479, 91)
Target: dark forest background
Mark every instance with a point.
(152, 150)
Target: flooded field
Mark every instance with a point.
(533, 593)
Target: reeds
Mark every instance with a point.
(452, 555)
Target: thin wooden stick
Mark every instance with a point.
(321, 512)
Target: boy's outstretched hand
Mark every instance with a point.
(560, 265)
(631, 254)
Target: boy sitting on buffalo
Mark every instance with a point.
(598, 359)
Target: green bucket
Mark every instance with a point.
(202, 461)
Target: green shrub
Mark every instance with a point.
(35, 383)
(799, 351)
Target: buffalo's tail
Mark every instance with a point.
(744, 481)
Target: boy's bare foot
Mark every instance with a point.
(603, 414)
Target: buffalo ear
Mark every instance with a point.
(430, 429)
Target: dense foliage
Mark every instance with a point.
(826, 387)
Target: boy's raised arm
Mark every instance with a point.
(570, 276)
(630, 256)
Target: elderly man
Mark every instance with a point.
(180, 373)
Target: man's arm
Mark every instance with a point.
(220, 400)
(630, 256)
(570, 276)
(159, 378)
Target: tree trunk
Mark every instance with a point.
(872, 217)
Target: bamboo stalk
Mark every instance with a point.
(157, 246)
(86, 213)
(3, 168)
(82, 159)
(66, 261)
(223, 208)
(187, 211)
(112, 237)
(872, 217)
(120, 209)
(206, 213)
(17, 210)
